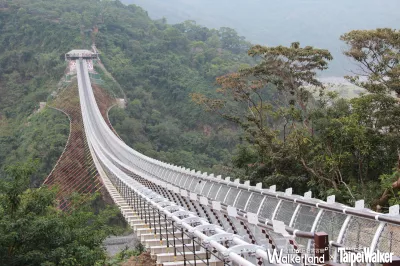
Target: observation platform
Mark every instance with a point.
(84, 54)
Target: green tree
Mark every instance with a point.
(377, 53)
(33, 231)
(270, 101)
(282, 74)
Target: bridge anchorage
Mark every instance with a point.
(216, 221)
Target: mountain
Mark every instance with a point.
(317, 23)
(156, 64)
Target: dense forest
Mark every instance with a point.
(157, 65)
(270, 22)
(272, 125)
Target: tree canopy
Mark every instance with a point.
(157, 65)
(296, 128)
(377, 54)
(33, 231)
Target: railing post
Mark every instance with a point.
(173, 235)
(314, 226)
(159, 223)
(321, 247)
(130, 200)
(137, 204)
(154, 221)
(194, 252)
(342, 233)
(207, 258)
(144, 210)
(148, 211)
(140, 208)
(166, 232)
(183, 247)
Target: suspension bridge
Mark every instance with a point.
(185, 217)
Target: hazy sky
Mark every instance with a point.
(312, 22)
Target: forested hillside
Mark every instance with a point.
(266, 124)
(156, 64)
(269, 22)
